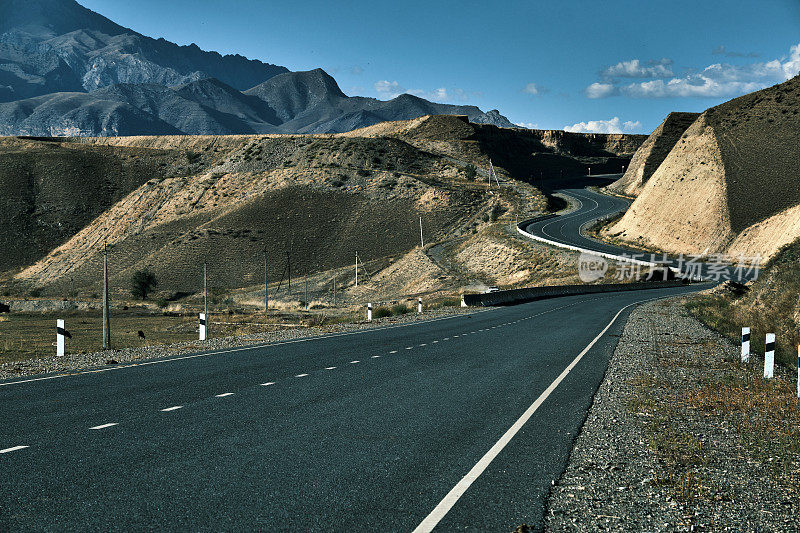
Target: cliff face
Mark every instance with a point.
(652, 153)
(730, 184)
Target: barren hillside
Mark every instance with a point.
(652, 153)
(171, 203)
(729, 185)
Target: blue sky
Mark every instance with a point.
(584, 65)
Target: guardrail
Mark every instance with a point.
(518, 296)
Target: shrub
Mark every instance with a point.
(470, 172)
(382, 312)
(400, 309)
(162, 303)
(363, 172)
(36, 292)
(142, 283)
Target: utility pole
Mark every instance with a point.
(421, 240)
(289, 267)
(266, 284)
(205, 293)
(106, 318)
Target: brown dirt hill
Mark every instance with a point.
(652, 153)
(178, 201)
(729, 185)
(52, 189)
(524, 154)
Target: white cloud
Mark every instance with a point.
(722, 51)
(601, 90)
(615, 125)
(534, 89)
(393, 89)
(717, 80)
(390, 89)
(658, 68)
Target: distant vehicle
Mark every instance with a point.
(491, 289)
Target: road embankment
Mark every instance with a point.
(682, 436)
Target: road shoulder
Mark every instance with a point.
(682, 436)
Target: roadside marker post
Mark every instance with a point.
(769, 355)
(463, 303)
(61, 335)
(745, 345)
(369, 312)
(202, 326)
(419, 305)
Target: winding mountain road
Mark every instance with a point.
(450, 424)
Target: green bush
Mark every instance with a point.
(400, 309)
(143, 282)
(470, 172)
(382, 312)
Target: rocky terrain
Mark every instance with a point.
(729, 185)
(171, 203)
(67, 71)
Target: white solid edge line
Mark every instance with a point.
(103, 426)
(456, 492)
(13, 449)
(239, 349)
(224, 394)
(173, 408)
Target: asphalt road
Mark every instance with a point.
(568, 229)
(364, 431)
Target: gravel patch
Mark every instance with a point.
(659, 452)
(82, 361)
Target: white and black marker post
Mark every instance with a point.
(745, 345)
(61, 337)
(369, 312)
(202, 326)
(419, 305)
(463, 302)
(769, 355)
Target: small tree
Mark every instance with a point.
(470, 172)
(142, 283)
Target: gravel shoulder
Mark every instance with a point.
(682, 436)
(82, 361)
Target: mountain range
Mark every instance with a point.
(68, 71)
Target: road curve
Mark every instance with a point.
(568, 231)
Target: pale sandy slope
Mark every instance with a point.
(731, 184)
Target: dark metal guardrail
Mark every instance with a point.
(518, 296)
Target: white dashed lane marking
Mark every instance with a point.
(354, 362)
(423, 344)
(13, 449)
(173, 408)
(301, 375)
(375, 356)
(224, 394)
(393, 351)
(104, 426)
(268, 383)
(434, 342)
(409, 347)
(330, 367)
